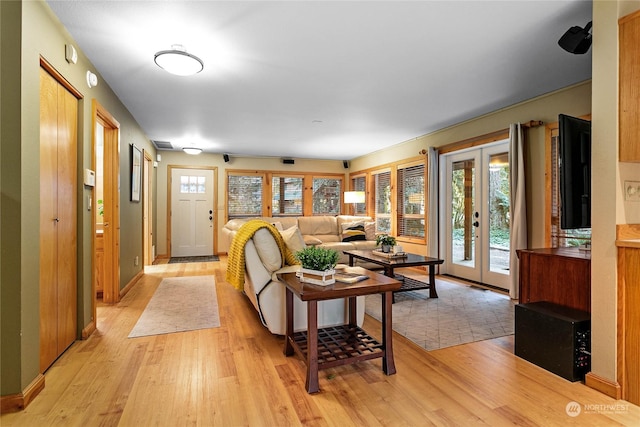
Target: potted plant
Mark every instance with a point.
(386, 242)
(318, 265)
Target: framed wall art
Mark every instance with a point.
(136, 173)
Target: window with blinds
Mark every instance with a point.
(287, 195)
(410, 201)
(558, 237)
(359, 183)
(244, 196)
(326, 197)
(382, 212)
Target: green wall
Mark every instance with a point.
(10, 208)
(30, 31)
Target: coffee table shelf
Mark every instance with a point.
(339, 345)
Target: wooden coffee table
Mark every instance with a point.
(411, 260)
(343, 344)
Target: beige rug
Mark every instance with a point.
(180, 304)
(460, 315)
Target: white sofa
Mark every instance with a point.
(263, 261)
(325, 231)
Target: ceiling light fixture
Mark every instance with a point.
(192, 150)
(177, 61)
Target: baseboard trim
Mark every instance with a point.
(17, 402)
(89, 329)
(131, 283)
(603, 385)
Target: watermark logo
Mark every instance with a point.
(573, 409)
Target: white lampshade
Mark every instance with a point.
(192, 150)
(354, 196)
(177, 61)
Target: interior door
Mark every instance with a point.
(192, 213)
(107, 195)
(58, 219)
(476, 209)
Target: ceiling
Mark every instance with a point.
(324, 79)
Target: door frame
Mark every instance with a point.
(147, 210)
(215, 202)
(111, 192)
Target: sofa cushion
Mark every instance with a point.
(318, 225)
(293, 239)
(352, 231)
(267, 249)
(370, 230)
(312, 241)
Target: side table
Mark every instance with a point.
(344, 344)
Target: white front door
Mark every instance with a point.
(191, 212)
(476, 212)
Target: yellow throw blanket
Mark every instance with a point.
(236, 260)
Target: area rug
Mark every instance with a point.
(179, 259)
(180, 304)
(460, 315)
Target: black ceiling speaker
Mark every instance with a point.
(345, 163)
(576, 40)
(226, 158)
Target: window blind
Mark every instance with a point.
(410, 201)
(382, 182)
(244, 196)
(326, 196)
(287, 195)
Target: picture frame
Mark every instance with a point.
(136, 173)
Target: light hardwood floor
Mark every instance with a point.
(236, 375)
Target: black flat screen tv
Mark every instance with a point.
(575, 172)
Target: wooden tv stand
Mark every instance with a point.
(558, 275)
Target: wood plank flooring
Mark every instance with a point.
(237, 375)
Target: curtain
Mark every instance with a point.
(432, 218)
(518, 202)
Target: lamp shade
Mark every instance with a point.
(177, 61)
(354, 196)
(192, 150)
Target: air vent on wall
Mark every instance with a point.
(163, 145)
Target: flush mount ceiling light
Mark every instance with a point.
(192, 150)
(177, 61)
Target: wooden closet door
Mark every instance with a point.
(67, 213)
(58, 219)
(48, 215)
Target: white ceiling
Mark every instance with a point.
(324, 79)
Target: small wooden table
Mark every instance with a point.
(411, 260)
(343, 344)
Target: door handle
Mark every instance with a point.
(476, 224)
(106, 224)
(210, 218)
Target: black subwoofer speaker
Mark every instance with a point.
(554, 337)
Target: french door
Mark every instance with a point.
(476, 211)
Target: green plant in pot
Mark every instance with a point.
(386, 242)
(317, 258)
(317, 265)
